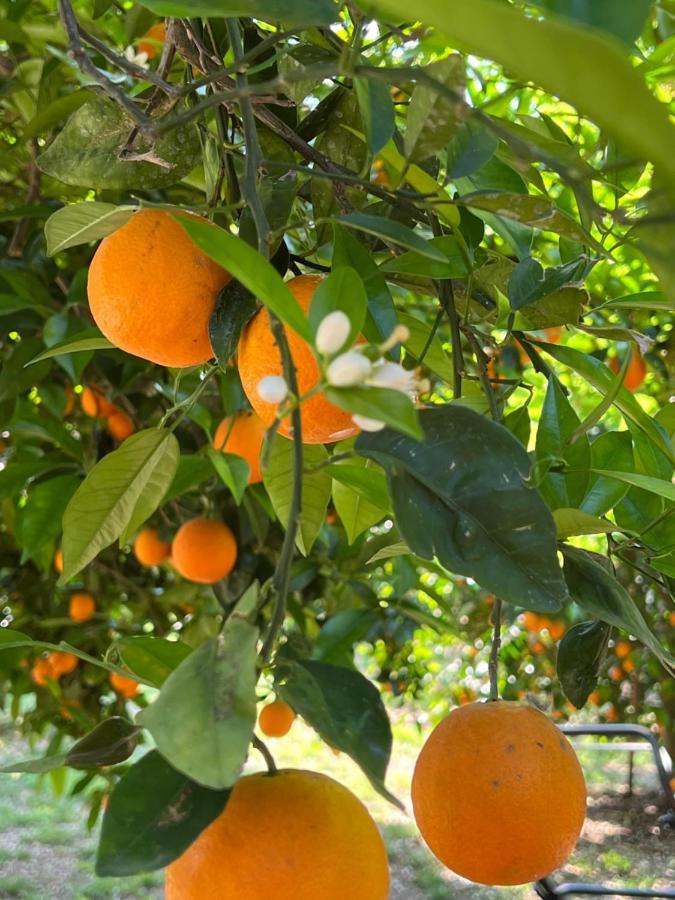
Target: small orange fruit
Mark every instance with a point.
(244, 438)
(259, 356)
(152, 290)
(556, 629)
(42, 671)
(157, 35)
(94, 403)
(62, 663)
(204, 551)
(149, 549)
(319, 841)
(623, 649)
(125, 687)
(532, 621)
(70, 400)
(498, 793)
(616, 673)
(276, 718)
(119, 425)
(58, 560)
(81, 607)
(628, 665)
(538, 647)
(636, 373)
(612, 714)
(594, 698)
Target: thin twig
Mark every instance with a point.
(493, 665)
(481, 362)
(446, 295)
(264, 750)
(126, 65)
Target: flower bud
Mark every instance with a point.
(367, 424)
(348, 369)
(272, 389)
(332, 333)
(391, 375)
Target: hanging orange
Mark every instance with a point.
(244, 438)
(204, 551)
(149, 549)
(276, 718)
(81, 607)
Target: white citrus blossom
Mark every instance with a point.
(348, 369)
(272, 389)
(140, 59)
(367, 424)
(332, 333)
(393, 376)
(399, 335)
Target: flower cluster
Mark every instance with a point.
(362, 365)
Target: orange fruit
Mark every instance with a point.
(204, 551)
(149, 549)
(616, 673)
(594, 698)
(498, 793)
(556, 630)
(532, 621)
(94, 404)
(152, 290)
(245, 439)
(612, 714)
(623, 649)
(636, 372)
(41, 671)
(119, 425)
(81, 607)
(628, 665)
(62, 663)
(58, 560)
(671, 619)
(276, 718)
(70, 400)
(322, 422)
(538, 647)
(125, 687)
(294, 835)
(157, 35)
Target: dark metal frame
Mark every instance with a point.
(546, 888)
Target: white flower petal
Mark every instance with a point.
(367, 424)
(348, 369)
(332, 333)
(272, 389)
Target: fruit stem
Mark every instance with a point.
(493, 665)
(264, 750)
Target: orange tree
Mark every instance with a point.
(327, 329)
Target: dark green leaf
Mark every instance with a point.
(595, 590)
(193, 470)
(394, 408)
(203, 719)
(335, 643)
(614, 448)
(152, 659)
(623, 18)
(413, 263)
(530, 282)
(321, 12)
(377, 111)
(111, 742)
(55, 113)
(460, 496)
(234, 307)
(433, 117)
(345, 709)
(580, 656)
(557, 423)
(389, 230)
(153, 816)
(343, 289)
(471, 148)
(40, 520)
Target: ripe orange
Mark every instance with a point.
(157, 35)
(125, 687)
(628, 665)
(276, 718)
(556, 629)
(41, 671)
(119, 425)
(70, 400)
(322, 422)
(152, 290)
(81, 607)
(612, 714)
(532, 621)
(294, 835)
(616, 673)
(58, 560)
(594, 698)
(149, 549)
(94, 404)
(62, 663)
(636, 373)
(204, 551)
(623, 649)
(245, 438)
(498, 793)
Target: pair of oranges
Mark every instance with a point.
(498, 795)
(117, 422)
(152, 292)
(203, 550)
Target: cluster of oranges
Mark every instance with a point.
(117, 422)
(536, 624)
(203, 550)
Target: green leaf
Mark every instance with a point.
(250, 268)
(572, 522)
(646, 300)
(394, 408)
(356, 512)
(86, 151)
(54, 113)
(623, 18)
(368, 481)
(595, 590)
(377, 111)
(460, 496)
(152, 659)
(557, 423)
(614, 448)
(343, 289)
(435, 358)
(232, 470)
(471, 148)
(389, 230)
(581, 653)
(656, 486)
(111, 742)
(36, 766)
(40, 519)
(423, 183)
(203, 719)
(345, 709)
(153, 816)
(526, 209)
(433, 117)
(320, 12)
(316, 488)
(90, 339)
(234, 307)
(335, 643)
(413, 263)
(530, 282)
(119, 494)
(193, 470)
(80, 223)
(559, 57)
(602, 378)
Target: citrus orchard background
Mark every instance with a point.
(336, 374)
